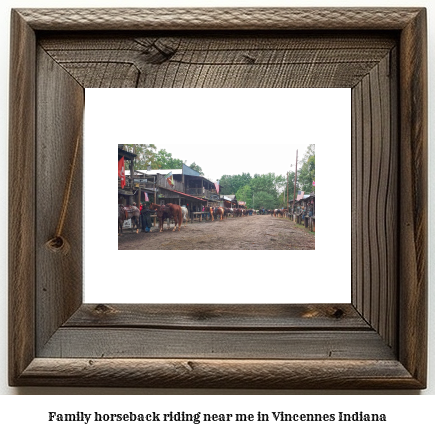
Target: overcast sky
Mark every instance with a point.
(256, 158)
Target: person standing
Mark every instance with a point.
(145, 213)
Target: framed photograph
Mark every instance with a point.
(377, 341)
(249, 135)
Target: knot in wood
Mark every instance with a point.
(338, 313)
(58, 244)
(103, 309)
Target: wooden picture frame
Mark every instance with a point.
(378, 341)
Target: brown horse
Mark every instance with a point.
(176, 214)
(130, 212)
(217, 212)
(163, 213)
(211, 209)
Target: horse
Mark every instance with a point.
(177, 215)
(163, 213)
(185, 213)
(218, 212)
(279, 212)
(211, 209)
(130, 212)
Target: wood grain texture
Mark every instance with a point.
(375, 198)
(60, 105)
(236, 60)
(220, 317)
(21, 191)
(229, 374)
(220, 18)
(392, 299)
(147, 342)
(378, 342)
(414, 188)
(357, 199)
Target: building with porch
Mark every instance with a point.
(189, 188)
(229, 201)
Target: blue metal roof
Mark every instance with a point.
(188, 171)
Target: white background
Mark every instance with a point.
(256, 129)
(407, 412)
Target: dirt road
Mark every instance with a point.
(256, 232)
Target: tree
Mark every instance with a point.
(307, 172)
(259, 191)
(291, 186)
(145, 155)
(226, 184)
(268, 187)
(263, 199)
(264, 183)
(164, 160)
(244, 194)
(230, 184)
(194, 166)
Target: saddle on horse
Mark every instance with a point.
(131, 211)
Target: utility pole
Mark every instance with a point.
(296, 178)
(286, 205)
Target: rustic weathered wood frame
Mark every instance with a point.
(377, 341)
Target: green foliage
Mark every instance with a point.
(245, 194)
(291, 186)
(230, 184)
(265, 200)
(194, 166)
(267, 189)
(264, 183)
(307, 172)
(261, 191)
(165, 160)
(146, 155)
